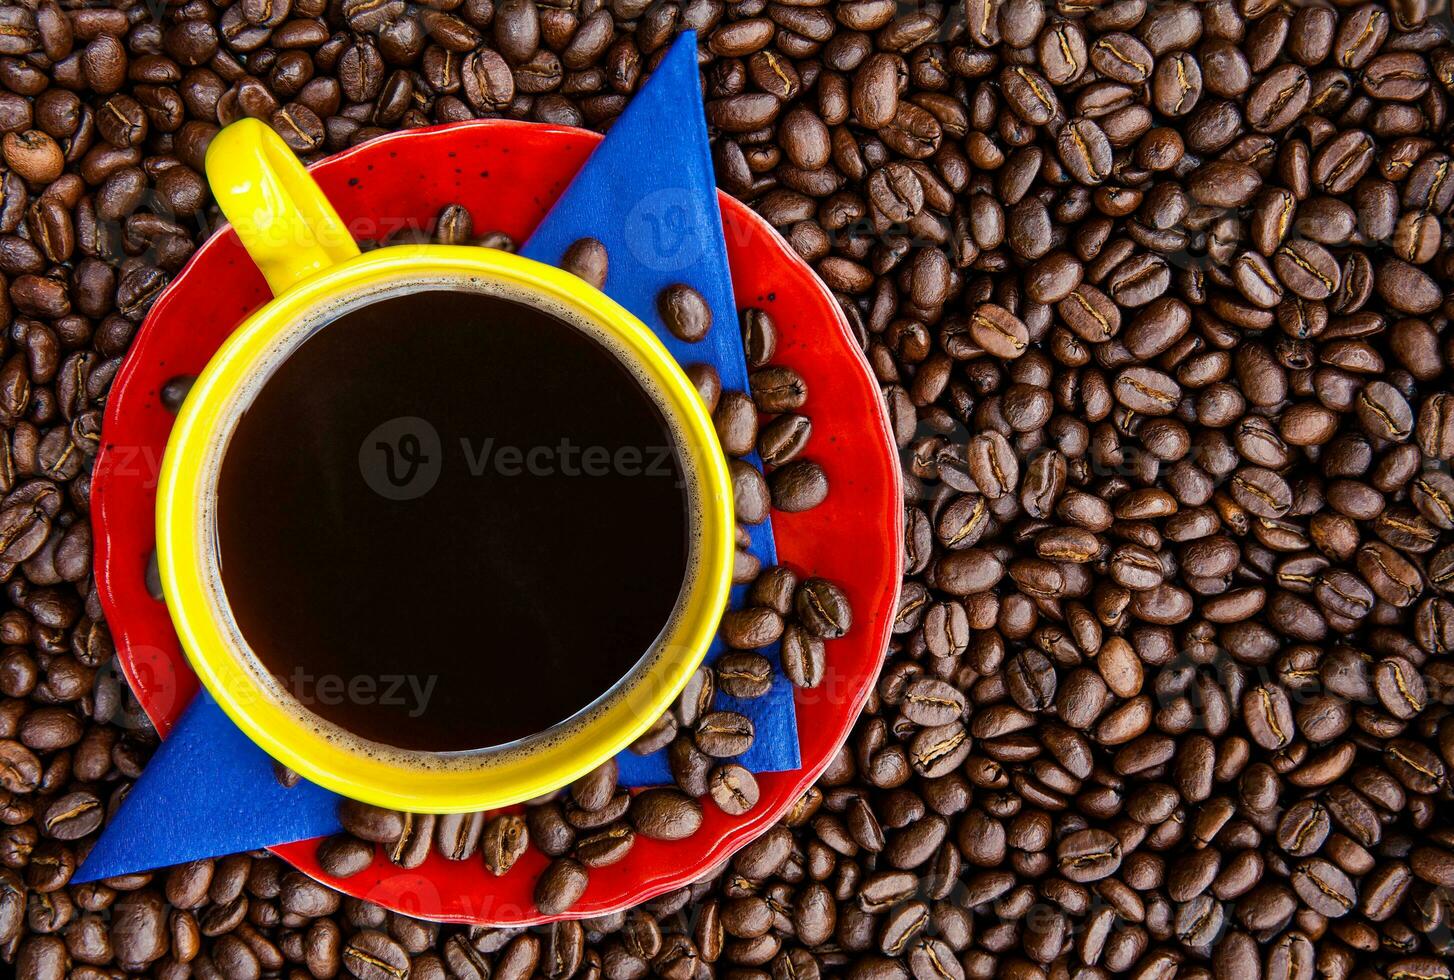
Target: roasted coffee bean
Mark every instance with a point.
(658, 736)
(596, 789)
(413, 845)
(685, 313)
(606, 846)
(778, 389)
(371, 823)
(1325, 888)
(998, 331)
(930, 702)
(1307, 269)
(1088, 855)
(1400, 687)
(707, 382)
(992, 465)
(774, 589)
(734, 789)
(665, 814)
(1279, 98)
(746, 675)
(1304, 828)
(1385, 412)
(488, 84)
(804, 656)
(372, 955)
(750, 495)
(723, 734)
(784, 438)
(560, 886)
(689, 765)
(1224, 184)
(823, 608)
(1269, 716)
(735, 419)
(586, 258)
(457, 835)
(1085, 150)
(759, 337)
(798, 486)
(504, 839)
(875, 91)
(1261, 492)
(343, 855)
(34, 155)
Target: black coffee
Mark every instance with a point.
(450, 520)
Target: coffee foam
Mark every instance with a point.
(485, 758)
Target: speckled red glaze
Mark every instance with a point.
(508, 174)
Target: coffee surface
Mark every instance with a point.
(450, 520)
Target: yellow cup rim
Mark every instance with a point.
(427, 782)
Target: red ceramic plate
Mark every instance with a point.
(508, 174)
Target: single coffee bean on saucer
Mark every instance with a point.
(503, 840)
(560, 886)
(798, 486)
(454, 226)
(586, 258)
(734, 789)
(685, 312)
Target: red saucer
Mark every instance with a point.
(508, 174)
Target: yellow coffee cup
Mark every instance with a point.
(314, 268)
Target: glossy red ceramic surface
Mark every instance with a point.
(508, 174)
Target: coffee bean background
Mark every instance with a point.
(1156, 292)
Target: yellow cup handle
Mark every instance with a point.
(287, 225)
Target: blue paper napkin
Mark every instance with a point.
(207, 791)
(648, 194)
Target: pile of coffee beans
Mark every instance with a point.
(1156, 292)
(595, 822)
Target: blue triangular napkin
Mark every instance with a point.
(648, 194)
(207, 791)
